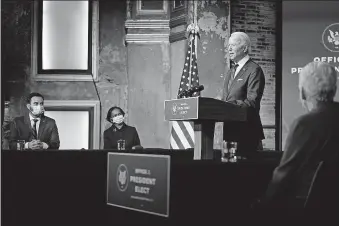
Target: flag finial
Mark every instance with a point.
(193, 28)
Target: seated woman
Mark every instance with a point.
(120, 131)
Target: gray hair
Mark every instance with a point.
(244, 39)
(319, 81)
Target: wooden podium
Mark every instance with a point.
(204, 112)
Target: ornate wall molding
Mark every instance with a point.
(147, 31)
(179, 21)
(140, 11)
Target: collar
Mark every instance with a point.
(115, 129)
(31, 117)
(243, 61)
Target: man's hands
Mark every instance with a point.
(35, 145)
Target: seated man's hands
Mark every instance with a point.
(137, 147)
(35, 145)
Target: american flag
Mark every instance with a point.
(182, 134)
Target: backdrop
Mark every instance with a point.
(310, 30)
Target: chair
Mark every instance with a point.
(322, 203)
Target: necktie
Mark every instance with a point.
(232, 76)
(35, 134)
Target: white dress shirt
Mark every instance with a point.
(45, 146)
(241, 64)
(37, 123)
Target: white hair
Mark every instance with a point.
(243, 38)
(319, 81)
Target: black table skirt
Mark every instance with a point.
(69, 187)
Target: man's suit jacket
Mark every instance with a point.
(21, 129)
(246, 90)
(313, 137)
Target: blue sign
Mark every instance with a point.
(139, 182)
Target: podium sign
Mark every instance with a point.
(139, 182)
(181, 109)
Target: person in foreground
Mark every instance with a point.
(37, 130)
(120, 131)
(313, 138)
(244, 86)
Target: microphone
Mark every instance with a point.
(196, 89)
(189, 92)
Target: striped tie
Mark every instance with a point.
(232, 76)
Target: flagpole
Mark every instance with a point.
(196, 29)
(190, 62)
(193, 31)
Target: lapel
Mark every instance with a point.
(28, 124)
(239, 75)
(41, 126)
(227, 79)
(27, 121)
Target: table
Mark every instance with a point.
(69, 187)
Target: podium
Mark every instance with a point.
(204, 112)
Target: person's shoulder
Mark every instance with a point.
(107, 130)
(18, 119)
(49, 119)
(306, 120)
(254, 64)
(131, 128)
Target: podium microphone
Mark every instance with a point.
(189, 92)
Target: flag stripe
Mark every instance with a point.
(177, 140)
(186, 134)
(180, 134)
(173, 144)
(190, 129)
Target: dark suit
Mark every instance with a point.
(127, 133)
(313, 137)
(246, 90)
(21, 129)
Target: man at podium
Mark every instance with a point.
(244, 86)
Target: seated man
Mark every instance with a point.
(313, 137)
(38, 131)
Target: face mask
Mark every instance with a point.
(37, 110)
(118, 119)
